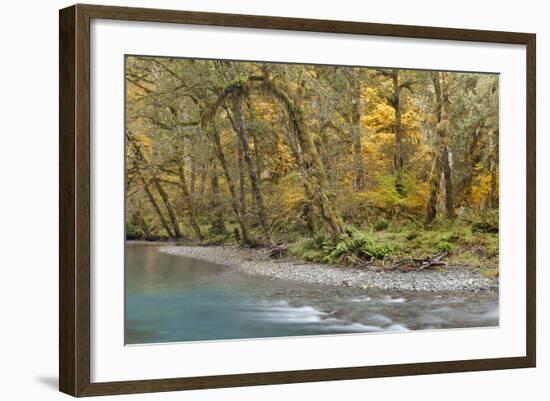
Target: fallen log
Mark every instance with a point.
(365, 263)
(420, 264)
(277, 252)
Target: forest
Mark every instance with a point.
(336, 164)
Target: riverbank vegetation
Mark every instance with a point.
(356, 166)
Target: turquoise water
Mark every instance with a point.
(172, 298)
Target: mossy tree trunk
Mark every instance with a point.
(140, 158)
(446, 152)
(493, 157)
(355, 89)
(309, 198)
(441, 164)
(218, 150)
(189, 201)
(217, 224)
(240, 130)
(242, 179)
(255, 140)
(169, 208)
(153, 201)
(398, 130)
(312, 162)
(395, 101)
(472, 157)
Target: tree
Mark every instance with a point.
(314, 169)
(395, 101)
(355, 95)
(441, 164)
(236, 98)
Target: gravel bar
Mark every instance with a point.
(255, 262)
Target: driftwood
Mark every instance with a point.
(420, 264)
(277, 251)
(365, 263)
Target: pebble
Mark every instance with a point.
(254, 262)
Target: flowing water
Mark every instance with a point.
(172, 298)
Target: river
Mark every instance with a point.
(172, 298)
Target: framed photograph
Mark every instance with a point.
(250, 200)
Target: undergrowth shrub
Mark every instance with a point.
(355, 248)
(360, 246)
(381, 225)
(483, 221)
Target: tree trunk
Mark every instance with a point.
(472, 157)
(242, 182)
(193, 175)
(309, 203)
(493, 194)
(312, 163)
(169, 208)
(322, 147)
(255, 142)
(398, 130)
(445, 139)
(257, 156)
(441, 164)
(204, 174)
(254, 180)
(447, 175)
(433, 185)
(218, 223)
(141, 158)
(153, 202)
(218, 150)
(355, 88)
(309, 190)
(144, 227)
(190, 202)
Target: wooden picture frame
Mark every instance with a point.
(74, 203)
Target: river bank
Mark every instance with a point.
(256, 262)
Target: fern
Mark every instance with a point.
(360, 246)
